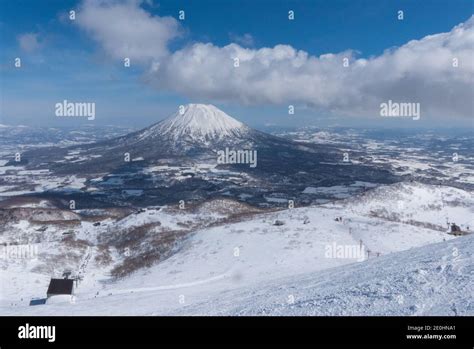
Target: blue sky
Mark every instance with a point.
(67, 61)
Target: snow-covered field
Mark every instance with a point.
(383, 252)
(428, 155)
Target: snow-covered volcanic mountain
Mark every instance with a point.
(193, 126)
(194, 130)
(178, 158)
(198, 123)
(197, 128)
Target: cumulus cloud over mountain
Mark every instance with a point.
(436, 71)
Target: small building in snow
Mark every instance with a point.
(38, 301)
(457, 231)
(60, 287)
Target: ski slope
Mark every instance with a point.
(254, 266)
(436, 279)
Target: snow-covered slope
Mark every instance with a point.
(417, 203)
(197, 122)
(240, 258)
(436, 279)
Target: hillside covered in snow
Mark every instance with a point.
(384, 252)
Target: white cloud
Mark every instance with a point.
(420, 71)
(124, 29)
(244, 40)
(29, 42)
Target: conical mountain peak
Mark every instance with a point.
(199, 122)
